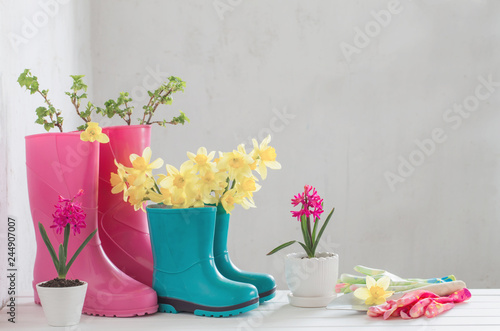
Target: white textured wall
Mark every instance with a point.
(350, 118)
(54, 42)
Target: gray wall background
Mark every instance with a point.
(381, 105)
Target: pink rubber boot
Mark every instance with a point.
(123, 231)
(61, 164)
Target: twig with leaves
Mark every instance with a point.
(49, 116)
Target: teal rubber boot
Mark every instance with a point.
(185, 276)
(264, 283)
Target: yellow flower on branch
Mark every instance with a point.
(93, 133)
(265, 156)
(375, 291)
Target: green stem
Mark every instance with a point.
(156, 186)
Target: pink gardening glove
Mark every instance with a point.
(418, 303)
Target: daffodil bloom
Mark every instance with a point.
(178, 179)
(265, 156)
(118, 181)
(232, 197)
(212, 181)
(237, 163)
(195, 198)
(141, 167)
(93, 133)
(164, 196)
(178, 198)
(136, 195)
(202, 161)
(375, 291)
(247, 186)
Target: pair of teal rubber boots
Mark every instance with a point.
(192, 269)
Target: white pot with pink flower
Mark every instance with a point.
(311, 276)
(62, 299)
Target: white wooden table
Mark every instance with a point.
(481, 312)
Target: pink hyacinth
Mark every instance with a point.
(311, 202)
(69, 212)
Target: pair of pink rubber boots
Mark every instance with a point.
(117, 263)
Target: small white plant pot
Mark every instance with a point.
(311, 280)
(62, 306)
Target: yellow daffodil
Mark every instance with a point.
(179, 199)
(247, 186)
(375, 291)
(265, 156)
(93, 133)
(202, 161)
(211, 181)
(136, 196)
(232, 197)
(195, 197)
(164, 196)
(141, 167)
(118, 181)
(237, 163)
(178, 179)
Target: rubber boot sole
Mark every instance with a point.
(121, 313)
(268, 295)
(174, 306)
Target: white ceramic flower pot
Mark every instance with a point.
(62, 306)
(311, 280)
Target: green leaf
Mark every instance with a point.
(322, 229)
(281, 247)
(305, 233)
(47, 242)
(22, 79)
(314, 231)
(41, 112)
(307, 249)
(182, 118)
(61, 272)
(47, 126)
(82, 127)
(80, 249)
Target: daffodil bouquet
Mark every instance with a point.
(201, 180)
(311, 204)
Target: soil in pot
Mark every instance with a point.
(57, 282)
